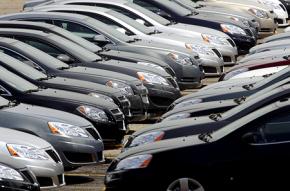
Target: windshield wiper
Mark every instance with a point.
(32, 90)
(10, 104)
(206, 137)
(240, 100)
(248, 86)
(215, 116)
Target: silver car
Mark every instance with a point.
(21, 149)
(222, 42)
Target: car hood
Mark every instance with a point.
(104, 73)
(49, 115)
(244, 3)
(202, 107)
(174, 124)
(282, 44)
(18, 137)
(208, 93)
(199, 29)
(67, 96)
(82, 85)
(268, 54)
(277, 36)
(160, 146)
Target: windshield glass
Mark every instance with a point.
(272, 77)
(22, 68)
(15, 81)
(79, 51)
(187, 3)
(131, 22)
(49, 60)
(150, 14)
(107, 30)
(176, 8)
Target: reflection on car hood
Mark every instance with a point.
(49, 115)
(17, 137)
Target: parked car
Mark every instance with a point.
(152, 21)
(20, 179)
(20, 149)
(270, 46)
(281, 36)
(187, 69)
(264, 16)
(231, 92)
(251, 142)
(242, 35)
(74, 138)
(105, 116)
(208, 122)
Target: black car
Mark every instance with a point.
(286, 3)
(187, 67)
(210, 122)
(162, 88)
(232, 92)
(17, 180)
(171, 10)
(132, 89)
(10, 47)
(248, 154)
(105, 116)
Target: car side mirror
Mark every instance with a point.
(141, 21)
(100, 38)
(163, 14)
(251, 138)
(65, 58)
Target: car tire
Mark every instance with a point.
(185, 184)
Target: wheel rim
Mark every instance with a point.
(185, 184)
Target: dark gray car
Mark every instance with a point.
(74, 138)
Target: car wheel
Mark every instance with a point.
(185, 184)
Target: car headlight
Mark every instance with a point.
(65, 129)
(182, 60)
(232, 29)
(177, 117)
(188, 103)
(259, 13)
(28, 152)
(135, 162)
(244, 21)
(9, 174)
(147, 138)
(234, 73)
(200, 49)
(124, 88)
(152, 78)
(212, 39)
(93, 113)
(107, 98)
(155, 66)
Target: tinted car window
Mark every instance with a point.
(277, 132)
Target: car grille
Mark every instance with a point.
(28, 176)
(60, 179)
(53, 155)
(125, 103)
(79, 157)
(44, 181)
(231, 42)
(93, 133)
(249, 32)
(222, 69)
(217, 53)
(282, 6)
(227, 59)
(210, 70)
(118, 115)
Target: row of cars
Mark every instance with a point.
(231, 135)
(75, 73)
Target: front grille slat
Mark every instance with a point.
(93, 133)
(217, 53)
(53, 155)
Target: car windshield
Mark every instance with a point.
(49, 60)
(76, 39)
(16, 82)
(107, 30)
(176, 8)
(241, 122)
(22, 68)
(272, 77)
(188, 3)
(150, 14)
(81, 52)
(131, 22)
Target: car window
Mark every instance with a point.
(77, 29)
(48, 21)
(277, 132)
(118, 9)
